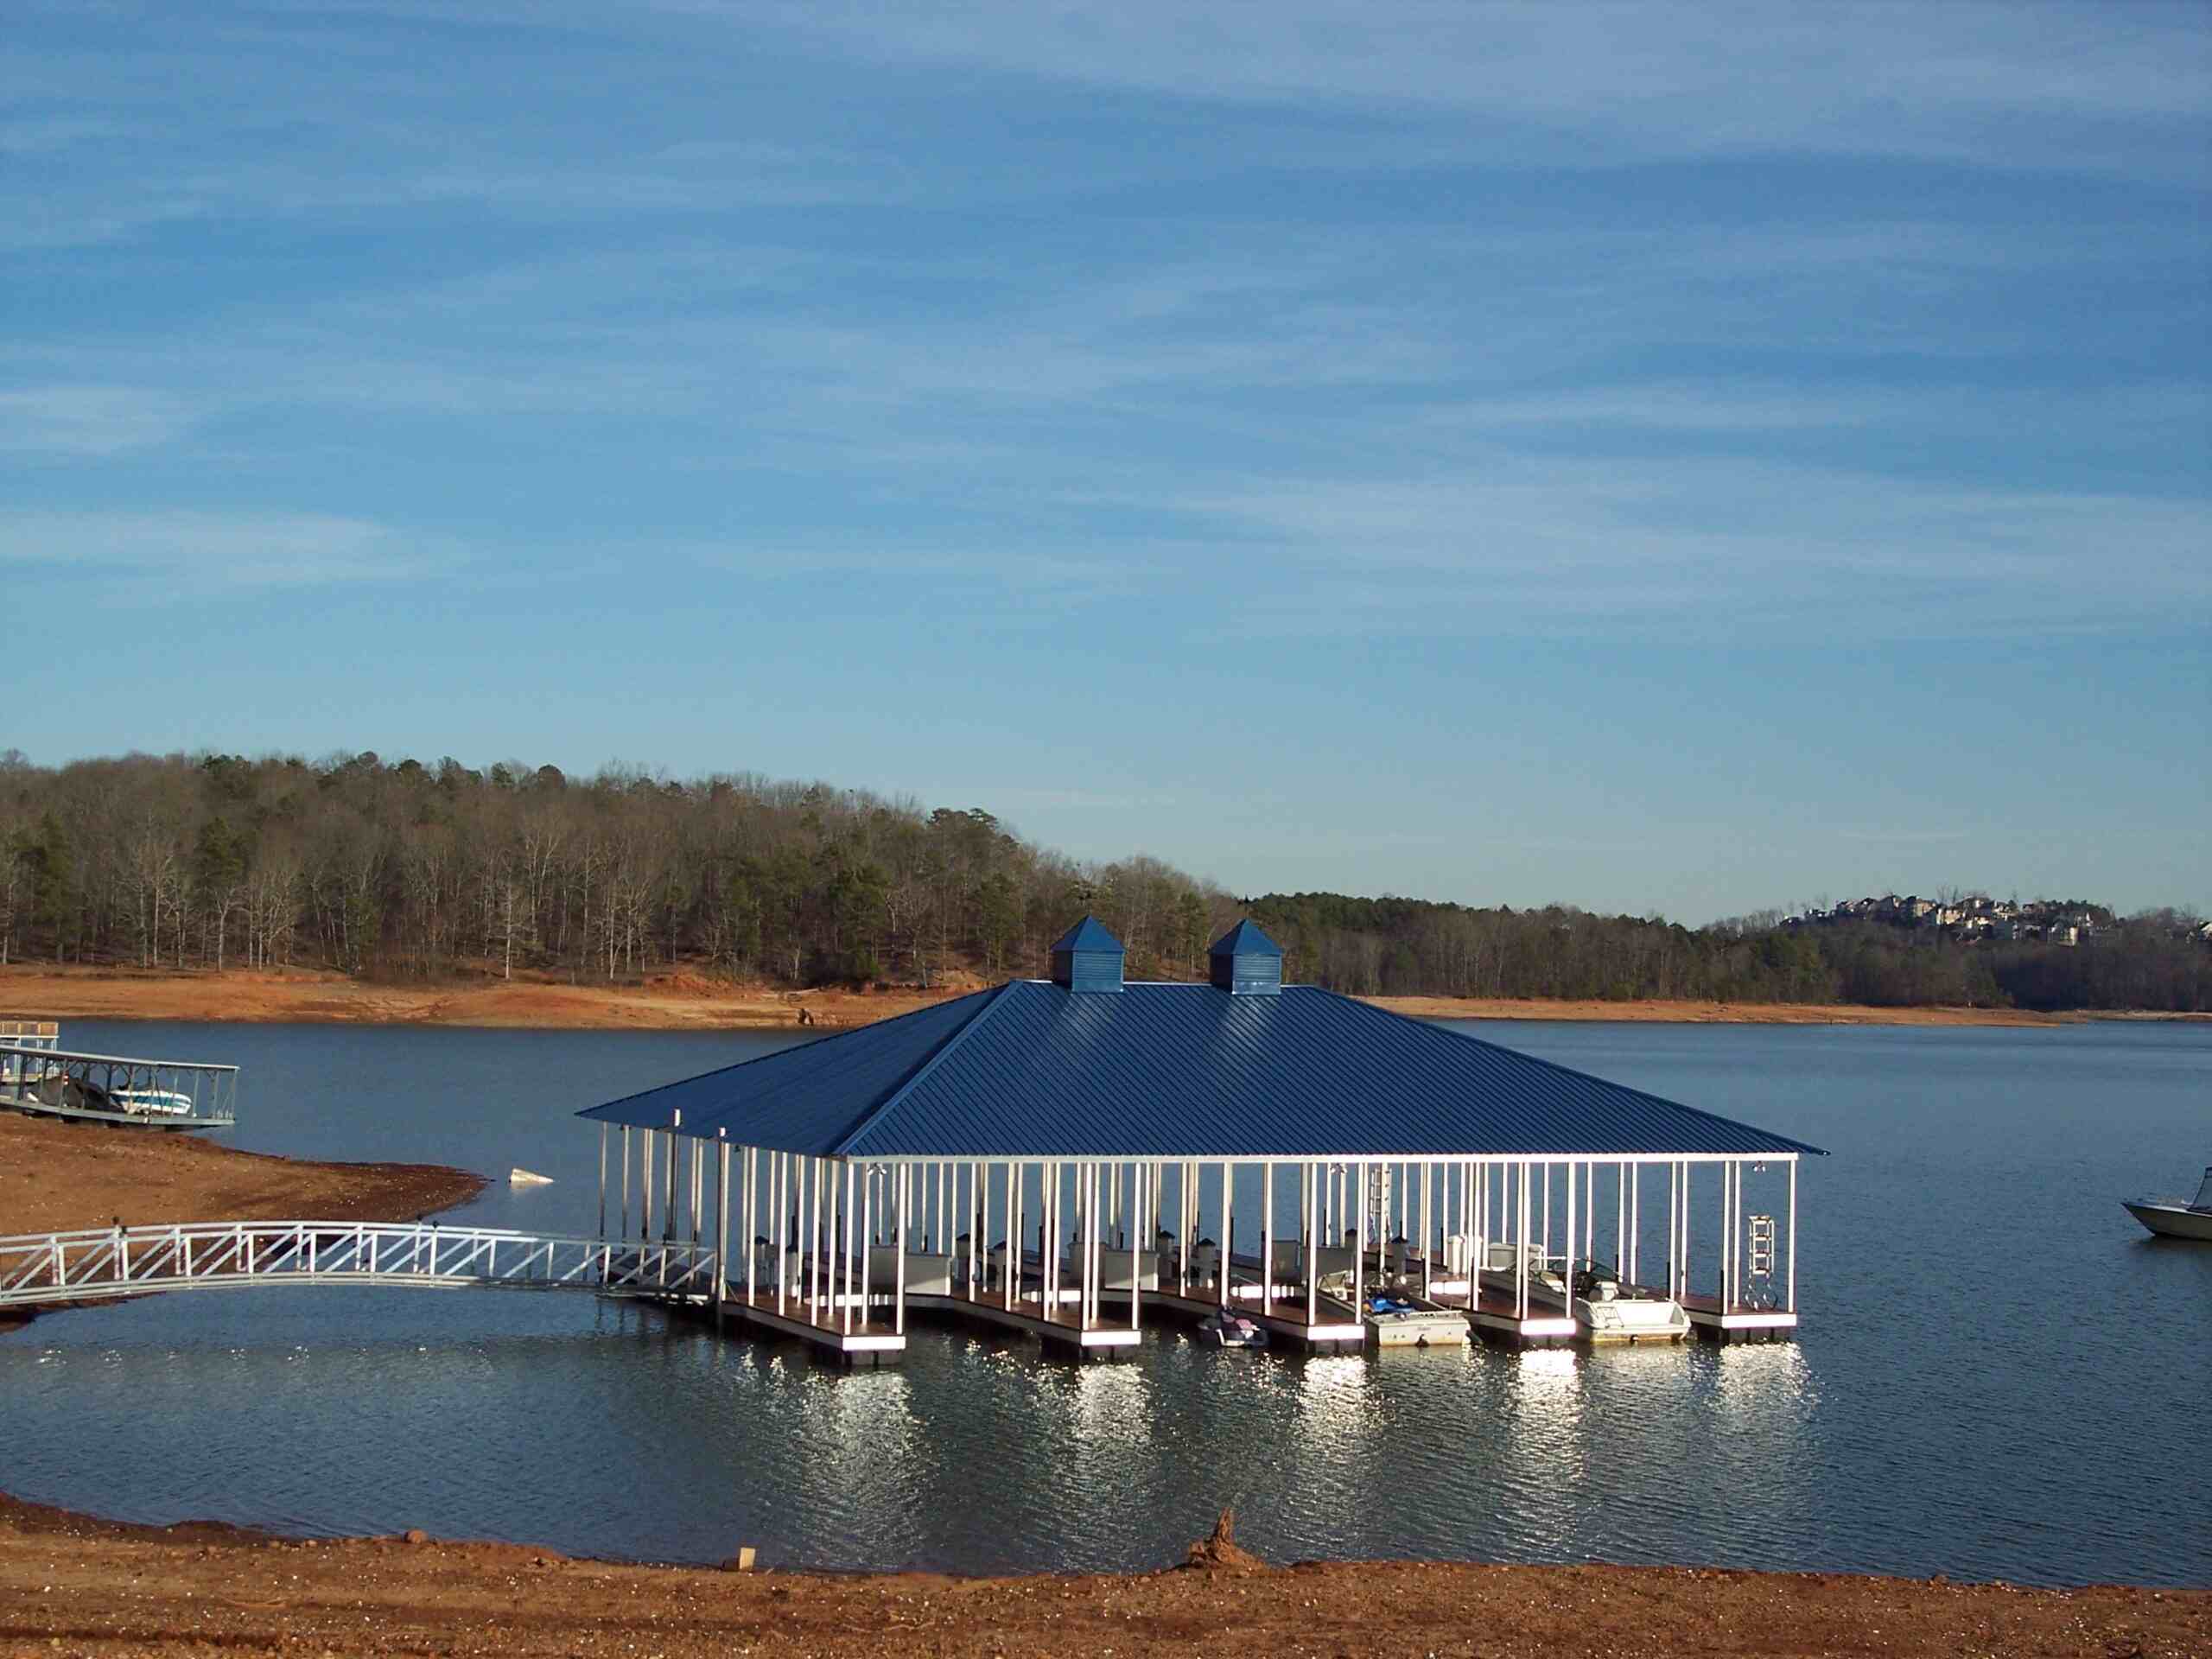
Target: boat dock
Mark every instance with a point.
(41, 1077)
(1118, 1129)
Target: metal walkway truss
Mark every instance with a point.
(113, 1261)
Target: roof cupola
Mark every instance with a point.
(1245, 961)
(1087, 957)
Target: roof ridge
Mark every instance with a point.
(876, 1113)
(1554, 1065)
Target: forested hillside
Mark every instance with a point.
(409, 871)
(1406, 947)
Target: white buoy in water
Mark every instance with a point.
(527, 1178)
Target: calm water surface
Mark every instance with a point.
(1999, 1377)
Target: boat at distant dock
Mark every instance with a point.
(2171, 1218)
(41, 1078)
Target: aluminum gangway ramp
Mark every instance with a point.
(113, 1261)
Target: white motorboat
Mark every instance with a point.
(2171, 1218)
(1605, 1309)
(1609, 1311)
(155, 1103)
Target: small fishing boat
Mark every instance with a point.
(2171, 1218)
(1400, 1319)
(1227, 1330)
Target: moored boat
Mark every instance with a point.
(1400, 1319)
(1609, 1311)
(1605, 1308)
(2171, 1218)
(1227, 1330)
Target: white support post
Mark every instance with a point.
(1545, 1241)
(624, 1233)
(1359, 1178)
(602, 1180)
(1793, 1232)
(698, 1186)
(1682, 1248)
(1590, 1210)
(1268, 1237)
(668, 1182)
(722, 1245)
(1136, 1239)
(1312, 1244)
(1569, 1274)
(779, 1196)
(1088, 1183)
(1520, 1287)
(1736, 1238)
(1635, 1224)
(1482, 1234)
(1185, 1173)
(1724, 1236)
(645, 1187)
(904, 1183)
(869, 1220)
(1100, 1174)
(1428, 1231)
(845, 1220)
(1014, 1248)
(1221, 1253)
(1620, 1219)
(814, 1243)
(1674, 1218)
(751, 1225)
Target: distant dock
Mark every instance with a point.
(41, 1077)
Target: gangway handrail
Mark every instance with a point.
(111, 1261)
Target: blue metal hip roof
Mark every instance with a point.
(1176, 1071)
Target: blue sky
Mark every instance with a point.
(1676, 459)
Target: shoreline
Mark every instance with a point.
(687, 1002)
(123, 1587)
(60, 1177)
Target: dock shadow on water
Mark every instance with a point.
(1952, 1404)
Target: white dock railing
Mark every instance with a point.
(109, 1262)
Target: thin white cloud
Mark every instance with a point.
(80, 422)
(1907, 837)
(204, 550)
(2003, 85)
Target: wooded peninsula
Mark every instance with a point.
(404, 873)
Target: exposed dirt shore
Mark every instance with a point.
(691, 1001)
(76, 1586)
(61, 1177)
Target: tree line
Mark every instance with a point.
(404, 870)
(412, 871)
(1389, 947)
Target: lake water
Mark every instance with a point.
(1999, 1377)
